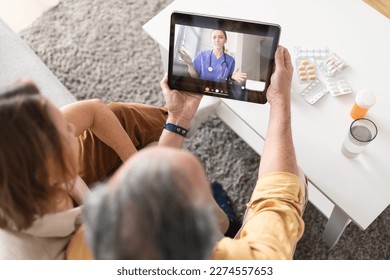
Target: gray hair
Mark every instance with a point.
(153, 213)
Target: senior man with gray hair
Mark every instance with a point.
(159, 204)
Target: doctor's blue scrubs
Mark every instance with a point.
(222, 68)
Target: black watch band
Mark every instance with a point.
(176, 129)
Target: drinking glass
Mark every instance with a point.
(361, 132)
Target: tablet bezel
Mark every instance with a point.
(228, 24)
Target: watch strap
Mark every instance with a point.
(176, 129)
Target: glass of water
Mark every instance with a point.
(361, 132)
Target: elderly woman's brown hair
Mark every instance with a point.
(29, 143)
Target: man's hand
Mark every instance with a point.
(280, 87)
(182, 106)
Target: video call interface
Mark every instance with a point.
(246, 54)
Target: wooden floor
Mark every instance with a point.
(18, 14)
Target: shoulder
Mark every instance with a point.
(229, 249)
(229, 57)
(59, 224)
(247, 249)
(45, 239)
(205, 53)
(201, 56)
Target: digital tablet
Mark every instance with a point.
(221, 57)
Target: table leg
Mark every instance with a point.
(335, 227)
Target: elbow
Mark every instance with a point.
(96, 105)
(96, 108)
(97, 102)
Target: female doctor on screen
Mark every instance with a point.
(213, 65)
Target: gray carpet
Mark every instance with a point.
(98, 49)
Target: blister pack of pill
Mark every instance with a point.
(306, 70)
(338, 86)
(310, 52)
(314, 91)
(332, 64)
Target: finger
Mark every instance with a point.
(239, 79)
(287, 59)
(279, 57)
(164, 83)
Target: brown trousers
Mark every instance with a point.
(143, 124)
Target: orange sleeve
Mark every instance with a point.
(275, 224)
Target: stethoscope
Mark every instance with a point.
(210, 68)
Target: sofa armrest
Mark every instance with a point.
(18, 60)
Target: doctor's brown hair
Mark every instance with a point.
(28, 139)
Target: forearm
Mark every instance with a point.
(278, 153)
(182, 107)
(108, 129)
(192, 71)
(96, 116)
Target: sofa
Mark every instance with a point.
(18, 60)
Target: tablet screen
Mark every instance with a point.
(221, 57)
